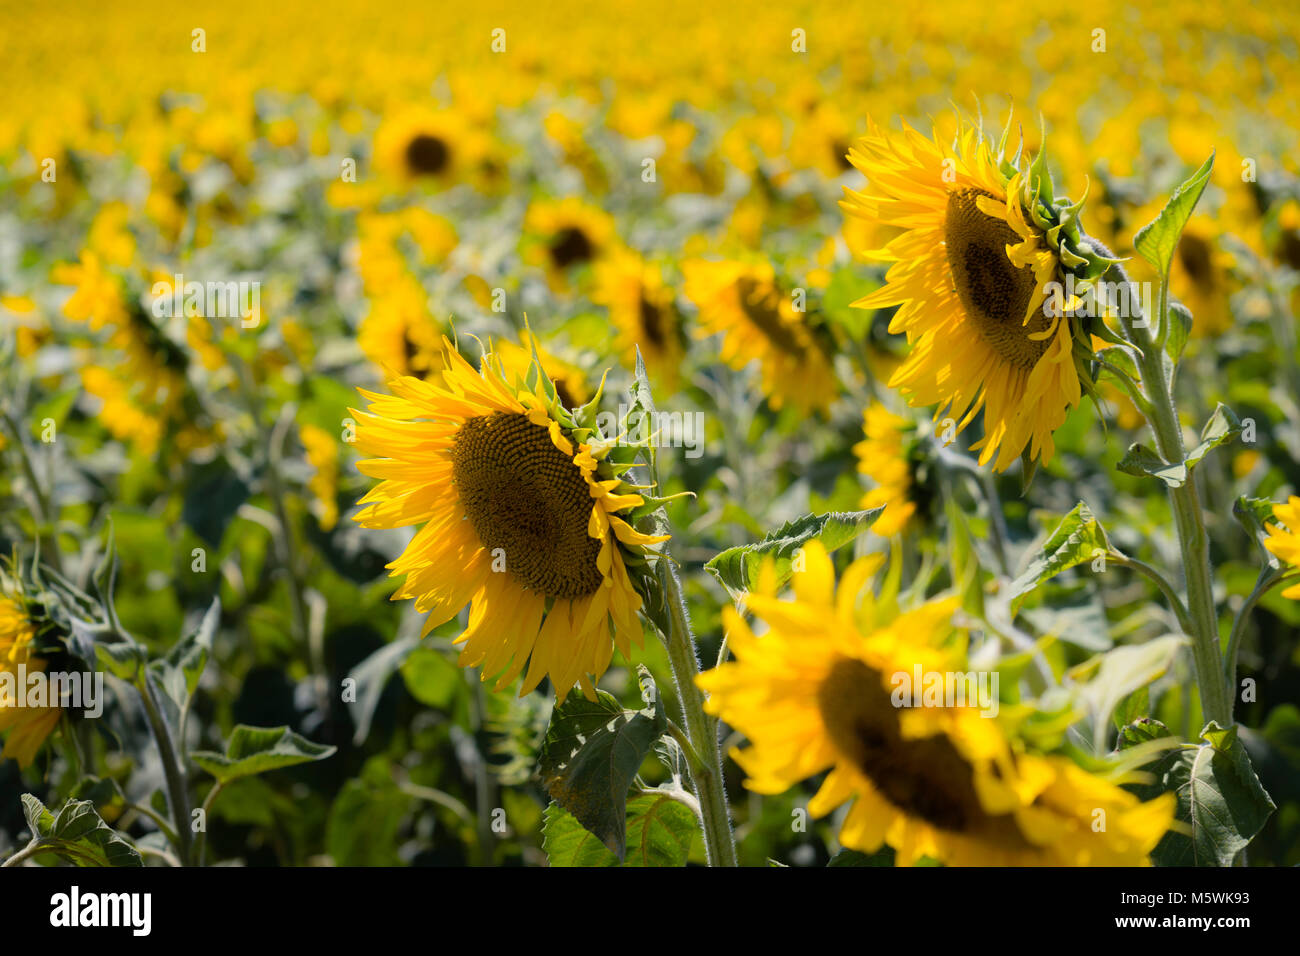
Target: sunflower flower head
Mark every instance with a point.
(888, 455)
(1284, 539)
(758, 321)
(524, 517)
(24, 728)
(819, 692)
(983, 237)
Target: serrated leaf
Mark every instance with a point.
(1157, 241)
(1219, 796)
(1223, 426)
(1141, 460)
(659, 833)
(591, 754)
(78, 834)
(1074, 541)
(1180, 328)
(737, 568)
(253, 750)
(1141, 731)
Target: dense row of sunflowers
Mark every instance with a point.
(392, 400)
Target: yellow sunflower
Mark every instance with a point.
(819, 692)
(884, 457)
(759, 323)
(398, 334)
(643, 309)
(1200, 275)
(418, 144)
(323, 456)
(523, 518)
(1284, 539)
(564, 236)
(981, 239)
(25, 728)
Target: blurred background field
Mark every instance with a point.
(614, 174)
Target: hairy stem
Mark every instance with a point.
(719, 842)
(1189, 518)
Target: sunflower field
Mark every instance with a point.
(649, 434)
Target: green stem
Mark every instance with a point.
(1267, 580)
(1167, 589)
(1189, 518)
(719, 842)
(26, 852)
(173, 772)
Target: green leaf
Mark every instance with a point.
(659, 833)
(1132, 708)
(431, 678)
(371, 676)
(213, 493)
(1219, 796)
(1141, 731)
(737, 568)
(78, 834)
(122, 658)
(1122, 671)
(592, 752)
(178, 672)
(1141, 460)
(1073, 614)
(1180, 327)
(253, 750)
(1075, 540)
(1157, 240)
(848, 285)
(365, 823)
(1223, 426)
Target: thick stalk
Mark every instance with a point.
(719, 843)
(173, 772)
(1189, 519)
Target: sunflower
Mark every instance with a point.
(884, 456)
(25, 727)
(323, 456)
(759, 323)
(565, 236)
(398, 334)
(523, 519)
(982, 238)
(1284, 539)
(643, 309)
(1200, 276)
(817, 693)
(418, 144)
